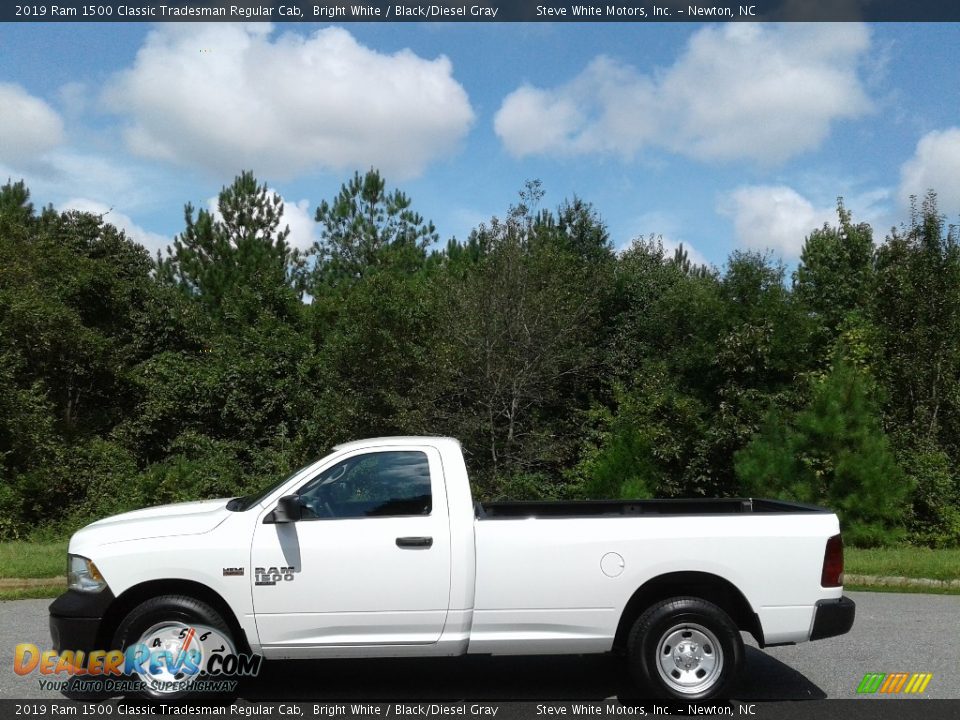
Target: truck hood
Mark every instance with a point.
(188, 518)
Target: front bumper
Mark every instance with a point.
(76, 619)
(833, 617)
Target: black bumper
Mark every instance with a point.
(75, 620)
(833, 617)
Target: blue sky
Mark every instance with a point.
(720, 137)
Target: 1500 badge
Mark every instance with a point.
(272, 575)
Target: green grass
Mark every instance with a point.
(43, 591)
(19, 559)
(924, 590)
(904, 562)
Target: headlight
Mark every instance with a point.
(82, 575)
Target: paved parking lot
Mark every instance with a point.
(893, 633)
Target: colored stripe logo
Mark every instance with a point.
(894, 683)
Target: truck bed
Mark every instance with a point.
(631, 508)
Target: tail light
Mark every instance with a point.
(832, 575)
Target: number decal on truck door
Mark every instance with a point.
(273, 575)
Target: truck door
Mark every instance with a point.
(367, 563)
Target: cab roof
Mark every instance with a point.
(398, 440)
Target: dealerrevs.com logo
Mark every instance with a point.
(171, 658)
(894, 683)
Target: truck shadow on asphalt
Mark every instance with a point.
(566, 677)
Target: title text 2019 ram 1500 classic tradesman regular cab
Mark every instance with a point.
(378, 549)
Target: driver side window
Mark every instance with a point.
(377, 484)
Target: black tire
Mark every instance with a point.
(168, 609)
(685, 648)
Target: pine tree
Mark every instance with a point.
(242, 252)
(366, 227)
(833, 452)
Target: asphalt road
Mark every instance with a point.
(892, 633)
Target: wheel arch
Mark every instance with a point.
(136, 594)
(706, 586)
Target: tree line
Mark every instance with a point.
(567, 369)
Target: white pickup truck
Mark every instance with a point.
(378, 549)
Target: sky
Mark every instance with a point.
(722, 137)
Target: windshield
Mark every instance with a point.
(245, 502)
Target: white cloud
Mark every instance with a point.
(774, 217)
(29, 127)
(33, 147)
(303, 228)
(150, 240)
(742, 91)
(65, 174)
(98, 176)
(935, 165)
(228, 97)
(296, 216)
(606, 108)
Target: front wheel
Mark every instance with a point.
(171, 637)
(685, 648)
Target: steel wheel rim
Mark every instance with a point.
(171, 644)
(689, 658)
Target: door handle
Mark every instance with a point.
(414, 542)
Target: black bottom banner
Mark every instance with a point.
(872, 709)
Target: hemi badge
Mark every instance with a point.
(232, 571)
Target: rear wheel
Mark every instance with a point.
(685, 648)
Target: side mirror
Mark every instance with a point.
(288, 509)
